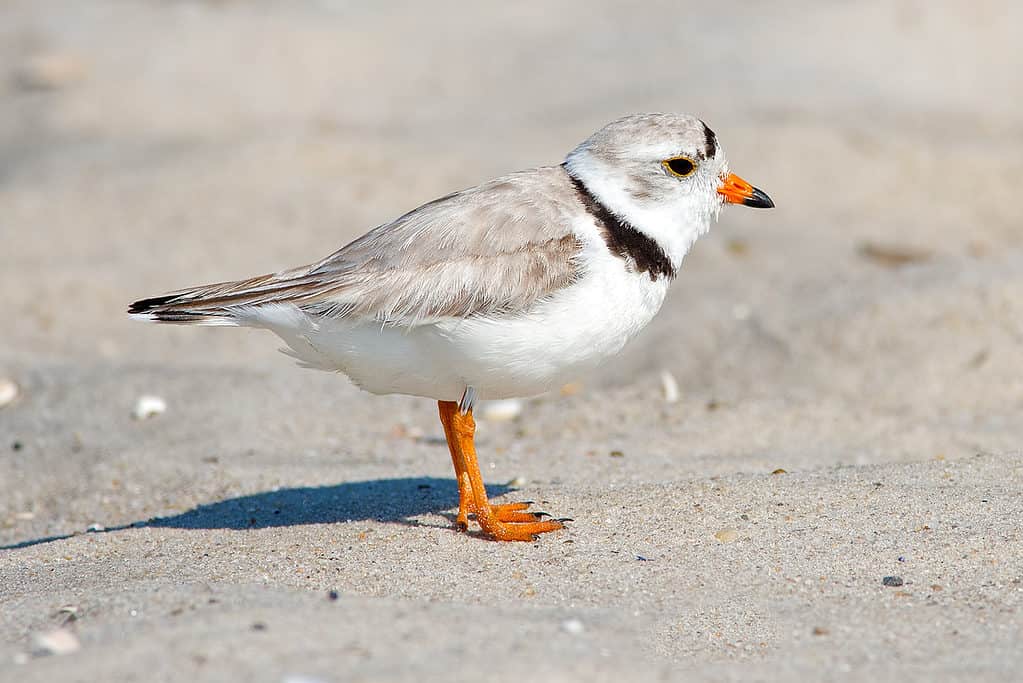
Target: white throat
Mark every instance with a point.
(674, 226)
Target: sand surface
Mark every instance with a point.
(850, 364)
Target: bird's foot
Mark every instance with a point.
(511, 522)
(505, 512)
(516, 512)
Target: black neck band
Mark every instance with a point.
(622, 239)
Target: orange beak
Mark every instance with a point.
(735, 190)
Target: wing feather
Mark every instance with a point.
(495, 248)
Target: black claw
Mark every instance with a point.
(540, 514)
(565, 519)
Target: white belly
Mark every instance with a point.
(509, 356)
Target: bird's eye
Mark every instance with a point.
(680, 167)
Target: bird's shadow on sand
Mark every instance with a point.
(383, 500)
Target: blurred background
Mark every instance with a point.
(147, 146)
(865, 337)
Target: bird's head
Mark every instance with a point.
(666, 174)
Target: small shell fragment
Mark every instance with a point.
(501, 411)
(573, 626)
(727, 535)
(61, 641)
(571, 389)
(8, 391)
(148, 406)
(669, 387)
(67, 613)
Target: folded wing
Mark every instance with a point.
(493, 249)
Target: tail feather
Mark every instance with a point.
(227, 303)
(159, 310)
(208, 305)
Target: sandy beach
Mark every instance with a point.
(833, 494)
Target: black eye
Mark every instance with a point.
(679, 166)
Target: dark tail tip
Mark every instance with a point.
(147, 305)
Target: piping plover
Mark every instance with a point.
(503, 290)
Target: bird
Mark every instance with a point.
(504, 290)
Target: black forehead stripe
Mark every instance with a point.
(711, 148)
(621, 238)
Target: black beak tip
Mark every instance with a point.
(759, 200)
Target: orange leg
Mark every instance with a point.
(447, 410)
(507, 522)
